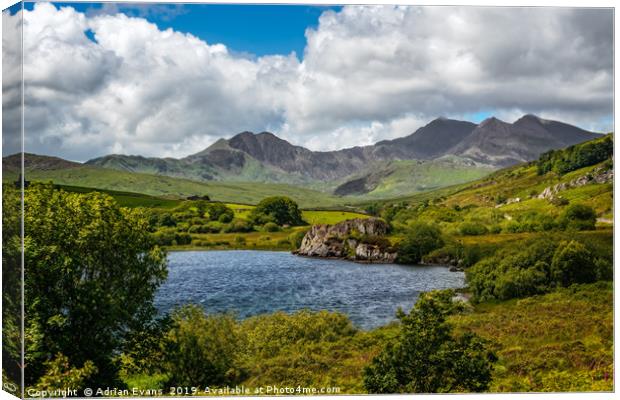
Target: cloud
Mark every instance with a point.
(367, 74)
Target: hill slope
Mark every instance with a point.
(157, 185)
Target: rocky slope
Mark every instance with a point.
(500, 143)
(355, 240)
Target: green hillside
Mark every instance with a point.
(163, 186)
(504, 197)
(408, 177)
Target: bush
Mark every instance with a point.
(427, 357)
(219, 212)
(201, 350)
(296, 238)
(212, 227)
(167, 220)
(578, 217)
(182, 238)
(278, 209)
(238, 226)
(534, 267)
(60, 375)
(271, 227)
(473, 229)
(420, 239)
(240, 240)
(573, 263)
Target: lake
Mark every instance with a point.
(257, 282)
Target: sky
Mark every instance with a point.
(169, 80)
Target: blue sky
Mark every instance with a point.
(256, 30)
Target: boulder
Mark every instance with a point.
(348, 240)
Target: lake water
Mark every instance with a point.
(256, 282)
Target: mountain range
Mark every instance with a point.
(441, 153)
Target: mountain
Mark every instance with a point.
(430, 141)
(13, 163)
(500, 143)
(264, 157)
(443, 152)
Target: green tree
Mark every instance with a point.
(219, 212)
(278, 209)
(420, 239)
(91, 271)
(11, 284)
(427, 357)
(579, 217)
(201, 350)
(59, 374)
(573, 263)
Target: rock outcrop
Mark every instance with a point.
(598, 175)
(355, 239)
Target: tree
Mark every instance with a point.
(420, 239)
(91, 271)
(573, 263)
(200, 350)
(427, 357)
(278, 209)
(579, 217)
(11, 284)
(219, 212)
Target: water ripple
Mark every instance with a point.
(254, 282)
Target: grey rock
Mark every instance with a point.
(341, 241)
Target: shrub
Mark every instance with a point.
(200, 349)
(296, 238)
(219, 212)
(535, 266)
(240, 240)
(167, 220)
(271, 227)
(473, 229)
(238, 226)
(578, 217)
(182, 238)
(420, 239)
(225, 218)
(573, 263)
(427, 357)
(212, 227)
(60, 375)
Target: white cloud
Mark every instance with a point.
(368, 73)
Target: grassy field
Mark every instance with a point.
(561, 341)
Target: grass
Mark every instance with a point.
(329, 217)
(163, 186)
(561, 341)
(242, 241)
(411, 176)
(128, 199)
